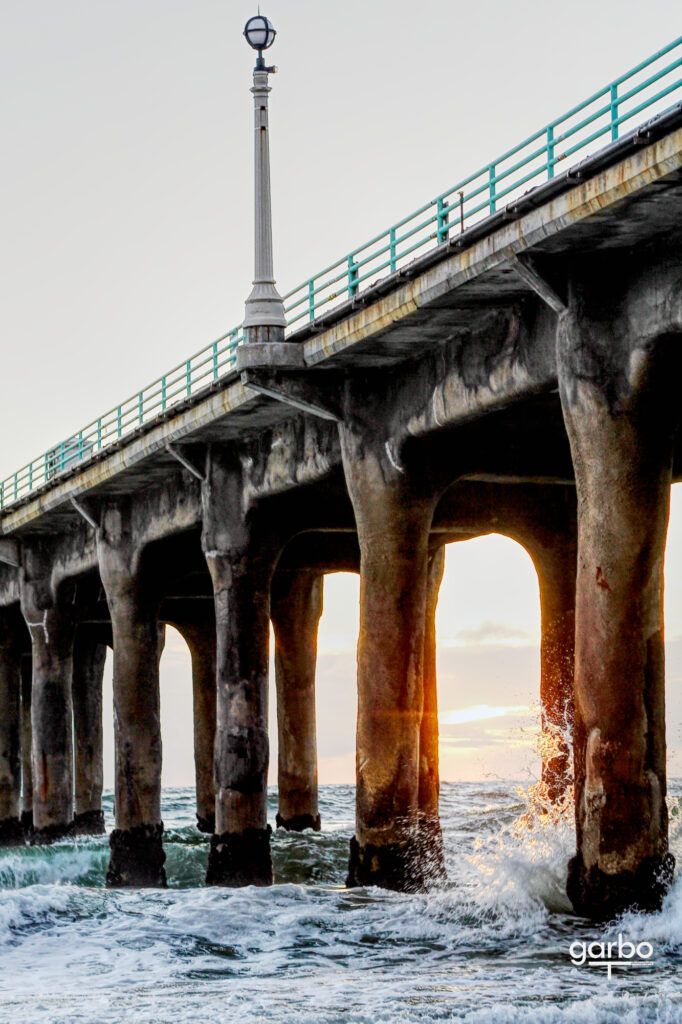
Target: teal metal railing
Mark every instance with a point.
(646, 90)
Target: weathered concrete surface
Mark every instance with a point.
(295, 610)
(88, 670)
(137, 856)
(26, 743)
(620, 370)
(393, 522)
(200, 637)
(241, 561)
(429, 775)
(11, 829)
(49, 612)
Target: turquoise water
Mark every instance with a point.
(491, 946)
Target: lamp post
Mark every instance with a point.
(265, 320)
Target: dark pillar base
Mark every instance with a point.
(89, 823)
(50, 834)
(137, 858)
(602, 897)
(299, 822)
(206, 823)
(12, 832)
(396, 866)
(240, 858)
(432, 851)
(27, 823)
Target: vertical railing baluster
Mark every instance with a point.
(189, 376)
(99, 434)
(311, 299)
(614, 113)
(2, 493)
(550, 152)
(163, 393)
(30, 476)
(118, 417)
(442, 222)
(352, 275)
(491, 186)
(140, 407)
(391, 241)
(16, 486)
(215, 360)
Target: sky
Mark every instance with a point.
(126, 169)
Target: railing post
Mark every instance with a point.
(16, 486)
(30, 476)
(311, 299)
(140, 407)
(550, 152)
(391, 240)
(352, 275)
(491, 186)
(215, 360)
(80, 445)
(118, 417)
(614, 113)
(442, 222)
(163, 393)
(99, 434)
(189, 376)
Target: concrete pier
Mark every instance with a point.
(11, 829)
(431, 835)
(200, 637)
(88, 669)
(49, 609)
(241, 562)
(26, 742)
(393, 523)
(475, 390)
(137, 856)
(620, 401)
(296, 607)
(554, 558)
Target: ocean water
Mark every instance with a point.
(492, 945)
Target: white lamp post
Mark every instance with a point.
(265, 320)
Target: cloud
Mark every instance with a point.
(487, 633)
(480, 711)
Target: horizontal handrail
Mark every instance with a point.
(532, 162)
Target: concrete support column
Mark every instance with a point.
(200, 638)
(49, 613)
(137, 855)
(393, 521)
(296, 607)
(556, 568)
(241, 562)
(619, 405)
(11, 829)
(26, 769)
(88, 670)
(429, 777)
